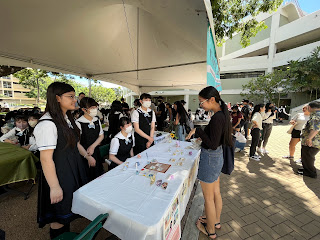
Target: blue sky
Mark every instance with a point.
(309, 6)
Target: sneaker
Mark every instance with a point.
(237, 150)
(266, 151)
(298, 161)
(257, 156)
(300, 171)
(254, 158)
(288, 157)
(260, 150)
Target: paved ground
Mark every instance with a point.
(262, 200)
(266, 199)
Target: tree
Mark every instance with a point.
(239, 16)
(267, 86)
(304, 75)
(38, 82)
(35, 80)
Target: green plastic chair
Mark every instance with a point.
(88, 233)
(104, 150)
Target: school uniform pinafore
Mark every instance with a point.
(145, 126)
(123, 151)
(89, 135)
(71, 174)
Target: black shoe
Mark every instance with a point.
(300, 171)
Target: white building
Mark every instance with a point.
(290, 35)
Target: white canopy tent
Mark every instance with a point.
(143, 45)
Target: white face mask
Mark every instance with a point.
(146, 104)
(93, 112)
(128, 129)
(33, 123)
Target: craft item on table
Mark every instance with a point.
(154, 161)
(158, 167)
(158, 183)
(180, 162)
(138, 156)
(148, 174)
(164, 185)
(196, 144)
(147, 157)
(152, 178)
(170, 177)
(137, 164)
(190, 153)
(172, 160)
(173, 135)
(125, 166)
(178, 144)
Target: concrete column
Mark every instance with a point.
(186, 99)
(2, 87)
(223, 50)
(131, 101)
(272, 46)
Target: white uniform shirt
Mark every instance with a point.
(82, 119)
(46, 133)
(114, 145)
(8, 135)
(301, 120)
(269, 119)
(135, 115)
(258, 119)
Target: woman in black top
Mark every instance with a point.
(63, 170)
(216, 133)
(180, 121)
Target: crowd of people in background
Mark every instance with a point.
(67, 137)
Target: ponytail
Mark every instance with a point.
(227, 137)
(210, 92)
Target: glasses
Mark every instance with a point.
(72, 97)
(201, 103)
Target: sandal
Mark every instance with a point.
(288, 157)
(202, 218)
(209, 235)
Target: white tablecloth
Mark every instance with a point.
(164, 136)
(137, 209)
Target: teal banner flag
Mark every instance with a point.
(213, 75)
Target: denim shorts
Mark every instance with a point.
(210, 164)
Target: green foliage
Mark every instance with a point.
(28, 79)
(266, 86)
(238, 16)
(304, 74)
(300, 75)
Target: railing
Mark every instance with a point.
(298, 109)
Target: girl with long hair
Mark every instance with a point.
(257, 117)
(91, 137)
(63, 171)
(114, 118)
(180, 121)
(217, 133)
(267, 123)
